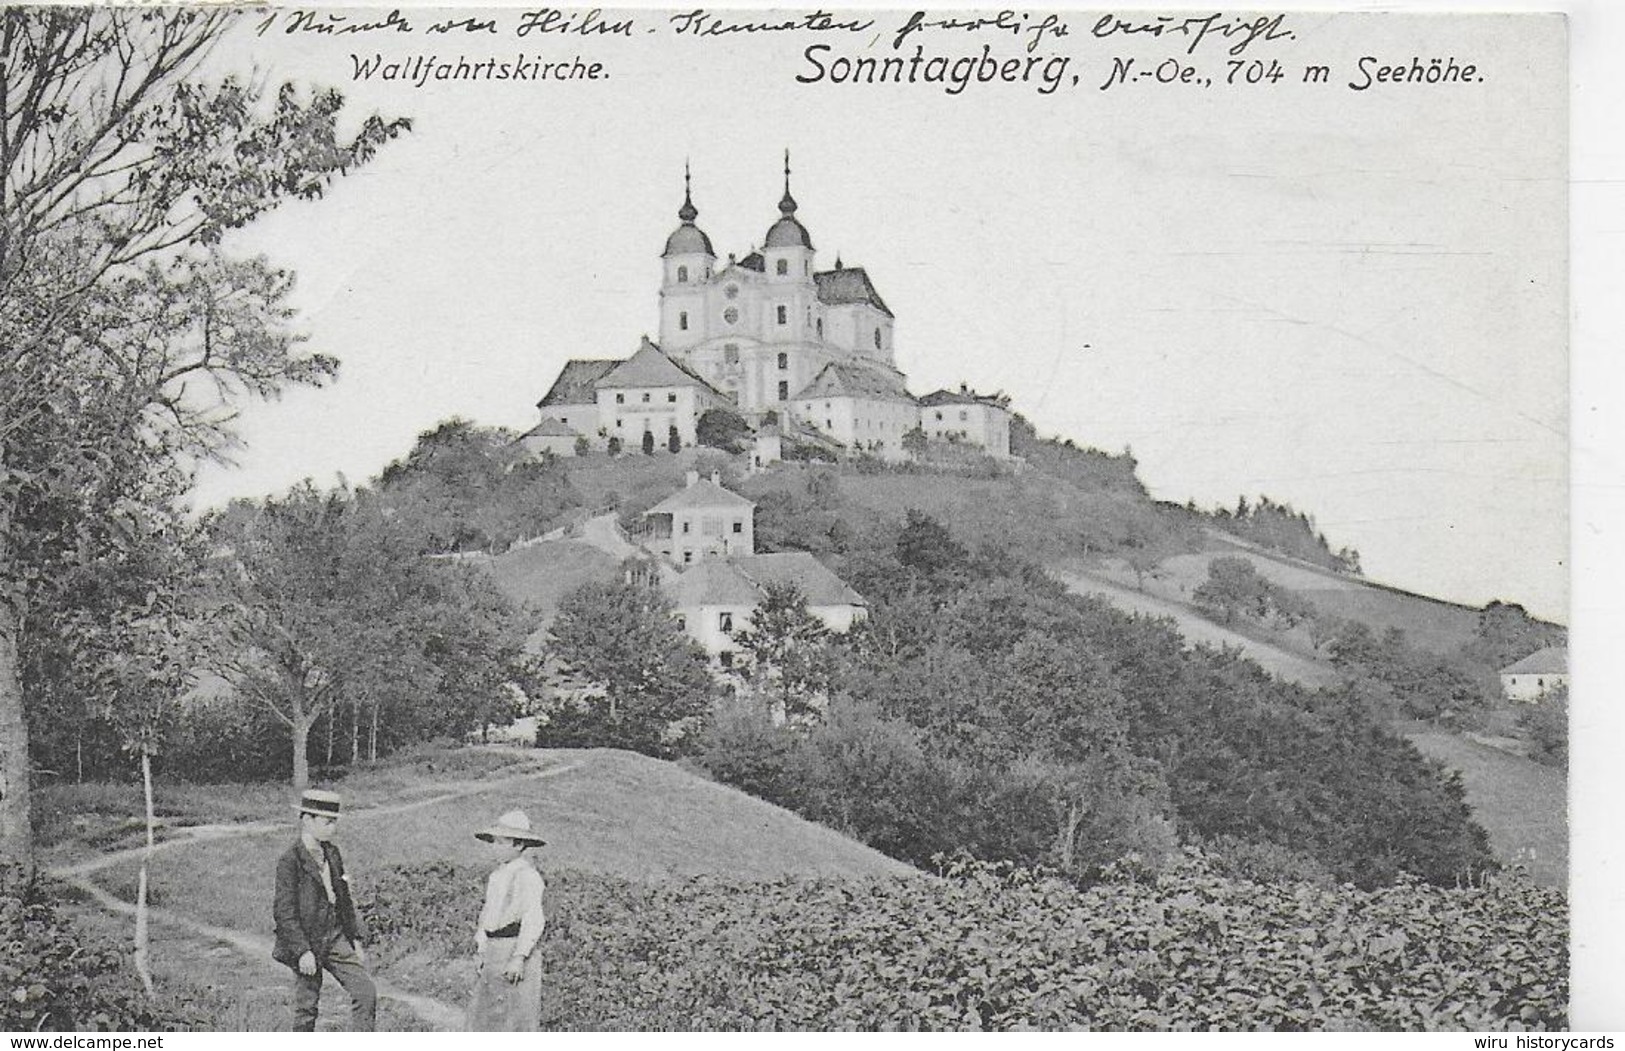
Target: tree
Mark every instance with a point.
(325, 602)
(788, 657)
(122, 341)
(674, 441)
(622, 638)
(914, 442)
(648, 443)
(722, 429)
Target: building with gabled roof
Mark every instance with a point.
(572, 400)
(551, 435)
(864, 405)
(651, 394)
(966, 416)
(699, 521)
(1536, 675)
(716, 597)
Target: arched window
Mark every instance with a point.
(877, 339)
(784, 315)
(682, 321)
(784, 360)
(820, 328)
(682, 275)
(782, 268)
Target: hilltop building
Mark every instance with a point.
(772, 337)
(702, 541)
(1536, 675)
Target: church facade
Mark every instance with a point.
(770, 332)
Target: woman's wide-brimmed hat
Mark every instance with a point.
(513, 825)
(320, 802)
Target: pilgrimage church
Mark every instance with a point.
(766, 333)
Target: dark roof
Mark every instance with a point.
(755, 262)
(575, 383)
(964, 397)
(549, 428)
(849, 285)
(743, 580)
(650, 367)
(1553, 660)
(860, 378)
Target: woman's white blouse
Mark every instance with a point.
(513, 894)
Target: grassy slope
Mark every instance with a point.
(613, 812)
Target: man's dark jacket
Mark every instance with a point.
(305, 920)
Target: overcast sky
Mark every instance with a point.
(1354, 302)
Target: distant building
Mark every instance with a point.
(1536, 675)
(649, 393)
(767, 333)
(969, 417)
(551, 436)
(863, 405)
(717, 597)
(700, 521)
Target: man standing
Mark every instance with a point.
(316, 924)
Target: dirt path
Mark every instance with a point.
(256, 948)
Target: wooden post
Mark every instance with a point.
(141, 943)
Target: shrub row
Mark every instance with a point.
(998, 948)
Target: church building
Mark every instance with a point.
(766, 333)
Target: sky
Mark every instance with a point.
(1351, 301)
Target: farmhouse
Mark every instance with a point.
(772, 337)
(702, 520)
(716, 598)
(1536, 675)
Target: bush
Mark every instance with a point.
(1001, 948)
(55, 978)
(1547, 724)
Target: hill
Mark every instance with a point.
(615, 814)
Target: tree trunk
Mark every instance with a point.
(372, 736)
(141, 967)
(332, 717)
(16, 840)
(301, 762)
(355, 733)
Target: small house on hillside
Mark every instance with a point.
(1536, 675)
(716, 597)
(702, 520)
(550, 436)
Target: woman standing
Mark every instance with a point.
(508, 991)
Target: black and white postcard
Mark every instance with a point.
(786, 519)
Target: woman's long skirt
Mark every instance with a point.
(498, 1006)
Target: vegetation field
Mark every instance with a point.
(986, 948)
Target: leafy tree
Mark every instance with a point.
(914, 442)
(465, 487)
(621, 637)
(723, 429)
(326, 602)
(1506, 633)
(123, 342)
(674, 441)
(1546, 721)
(925, 545)
(788, 660)
(648, 443)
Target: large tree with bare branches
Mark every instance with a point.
(125, 335)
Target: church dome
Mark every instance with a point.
(788, 233)
(688, 239)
